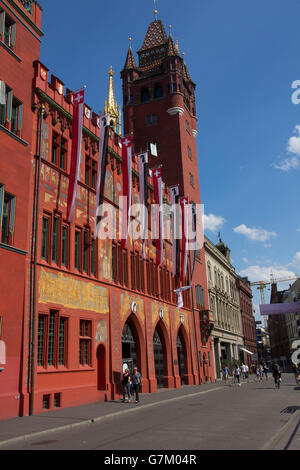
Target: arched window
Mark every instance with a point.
(158, 91)
(145, 95)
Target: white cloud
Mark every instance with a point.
(245, 260)
(254, 234)
(268, 245)
(294, 142)
(293, 147)
(264, 273)
(296, 260)
(298, 230)
(212, 222)
(288, 164)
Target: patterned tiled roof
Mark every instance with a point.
(171, 47)
(155, 36)
(130, 61)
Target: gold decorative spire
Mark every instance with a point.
(110, 105)
(177, 46)
(155, 11)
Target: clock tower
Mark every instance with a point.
(159, 107)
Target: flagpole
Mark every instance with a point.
(193, 308)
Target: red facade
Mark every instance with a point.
(20, 37)
(82, 307)
(248, 320)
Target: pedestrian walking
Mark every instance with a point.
(126, 385)
(243, 367)
(247, 372)
(136, 380)
(237, 374)
(296, 371)
(276, 374)
(258, 374)
(225, 372)
(266, 371)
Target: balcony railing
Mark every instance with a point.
(27, 4)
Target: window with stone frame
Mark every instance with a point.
(7, 216)
(59, 151)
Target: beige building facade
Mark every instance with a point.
(227, 334)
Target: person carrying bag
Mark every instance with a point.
(136, 380)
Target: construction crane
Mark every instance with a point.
(262, 285)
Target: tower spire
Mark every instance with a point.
(110, 106)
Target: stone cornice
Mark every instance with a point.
(175, 110)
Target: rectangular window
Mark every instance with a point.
(90, 172)
(55, 239)
(187, 125)
(191, 180)
(45, 233)
(77, 253)
(41, 339)
(59, 151)
(62, 342)
(93, 270)
(16, 116)
(64, 245)
(85, 250)
(125, 268)
(189, 152)
(8, 30)
(52, 340)
(7, 209)
(63, 154)
(55, 148)
(85, 343)
(132, 266)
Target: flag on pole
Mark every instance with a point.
(174, 201)
(179, 295)
(184, 239)
(157, 183)
(194, 228)
(143, 174)
(103, 143)
(126, 170)
(78, 104)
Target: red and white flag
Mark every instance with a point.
(78, 104)
(184, 238)
(157, 183)
(103, 142)
(143, 178)
(174, 200)
(179, 295)
(126, 170)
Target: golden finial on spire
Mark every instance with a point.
(177, 46)
(110, 105)
(155, 10)
(170, 27)
(130, 39)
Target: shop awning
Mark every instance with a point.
(246, 350)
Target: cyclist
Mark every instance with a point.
(276, 374)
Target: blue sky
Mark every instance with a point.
(243, 57)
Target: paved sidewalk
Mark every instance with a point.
(17, 429)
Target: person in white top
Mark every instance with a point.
(244, 371)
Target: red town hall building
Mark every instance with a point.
(80, 307)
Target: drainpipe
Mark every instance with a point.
(36, 224)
